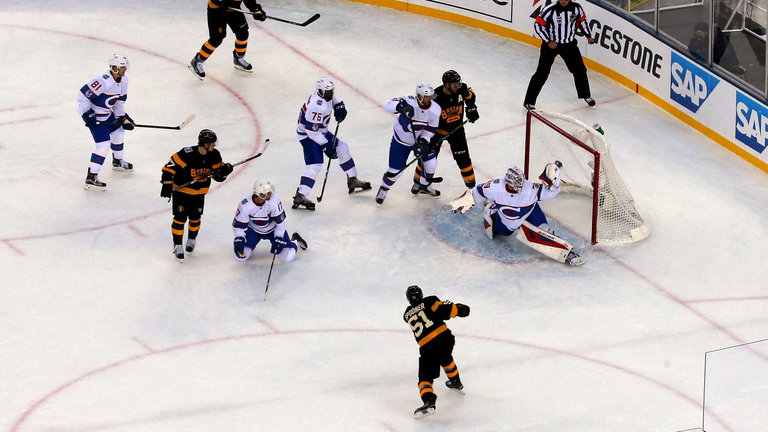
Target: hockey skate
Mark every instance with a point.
(591, 102)
(573, 259)
(353, 184)
(121, 165)
(92, 182)
(454, 384)
(302, 200)
(196, 66)
(240, 63)
(427, 409)
(191, 243)
(296, 238)
(178, 252)
(419, 188)
(381, 195)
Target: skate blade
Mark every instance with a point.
(424, 413)
(242, 69)
(354, 191)
(95, 188)
(191, 69)
(121, 169)
(576, 262)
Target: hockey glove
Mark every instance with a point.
(551, 175)
(421, 148)
(435, 143)
(224, 170)
(89, 117)
(167, 189)
(462, 310)
(277, 245)
(339, 112)
(240, 247)
(404, 108)
(127, 122)
(330, 150)
(258, 13)
(472, 114)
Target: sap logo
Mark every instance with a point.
(751, 122)
(690, 85)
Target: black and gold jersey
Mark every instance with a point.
(452, 106)
(188, 164)
(427, 319)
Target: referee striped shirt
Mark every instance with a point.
(558, 23)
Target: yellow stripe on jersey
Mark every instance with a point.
(433, 335)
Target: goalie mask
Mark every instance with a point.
(325, 88)
(414, 295)
(514, 179)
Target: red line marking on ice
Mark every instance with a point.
(69, 384)
(143, 345)
(726, 299)
(266, 324)
(136, 230)
(20, 107)
(13, 247)
(243, 102)
(25, 120)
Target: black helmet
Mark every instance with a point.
(414, 295)
(206, 136)
(451, 76)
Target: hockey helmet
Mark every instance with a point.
(424, 90)
(206, 136)
(451, 76)
(325, 88)
(118, 61)
(514, 179)
(414, 295)
(262, 188)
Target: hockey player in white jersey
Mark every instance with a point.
(312, 132)
(510, 206)
(260, 216)
(100, 103)
(415, 125)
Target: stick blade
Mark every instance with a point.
(311, 19)
(187, 121)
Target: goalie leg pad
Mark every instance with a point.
(544, 242)
(488, 212)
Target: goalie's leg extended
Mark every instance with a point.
(548, 244)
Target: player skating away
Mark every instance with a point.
(197, 165)
(312, 132)
(427, 316)
(219, 17)
(416, 123)
(101, 104)
(511, 205)
(260, 216)
(452, 97)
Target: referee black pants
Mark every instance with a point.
(572, 57)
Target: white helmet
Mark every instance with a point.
(117, 60)
(514, 179)
(424, 89)
(262, 188)
(324, 85)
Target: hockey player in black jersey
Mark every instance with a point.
(452, 97)
(427, 316)
(186, 178)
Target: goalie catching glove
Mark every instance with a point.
(551, 175)
(463, 203)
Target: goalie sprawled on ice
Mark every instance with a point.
(510, 205)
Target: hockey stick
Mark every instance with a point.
(263, 149)
(311, 19)
(266, 290)
(328, 167)
(179, 127)
(439, 142)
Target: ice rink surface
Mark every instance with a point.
(102, 330)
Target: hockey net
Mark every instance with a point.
(586, 159)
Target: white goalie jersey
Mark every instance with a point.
(262, 219)
(513, 208)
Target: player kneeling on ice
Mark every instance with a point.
(260, 216)
(510, 205)
(427, 316)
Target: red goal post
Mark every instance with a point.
(586, 159)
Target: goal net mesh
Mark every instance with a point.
(582, 149)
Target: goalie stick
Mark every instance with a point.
(263, 149)
(182, 125)
(439, 142)
(311, 19)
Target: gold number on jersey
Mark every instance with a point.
(418, 322)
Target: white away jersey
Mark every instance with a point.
(262, 219)
(424, 121)
(513, 208)
(314, 117)
(104, 95)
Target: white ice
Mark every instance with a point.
(102, 330)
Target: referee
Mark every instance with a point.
(556, 26)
